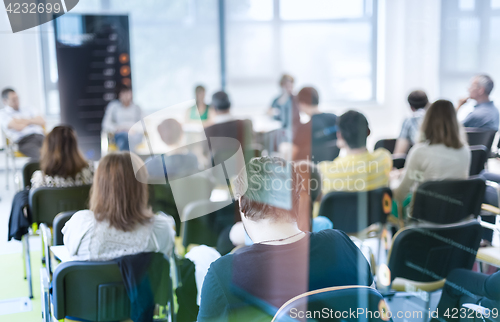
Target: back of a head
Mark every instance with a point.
(269, 187)
(170, 131)
(286, 78)
(486, 82)
(353, 127)
(6, 92)
(309, 96)
(199, 89)
(120, 88)
(440, 125)
(117, 196)
(60, 155)
(220, 101)
(418, 99)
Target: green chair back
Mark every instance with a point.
(95, 291)
(28, 170)
(45, 203)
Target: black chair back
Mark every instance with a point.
(28, 169)
(161, 197)
(448, 201)
(479, 156)
(45, 203)
(327, 151)
(57, 225)
(477, 136)
(399, 162)
(352, 212)
(428, 254)
(95, 291)
(337, 300)
(203, 228)
(388, 144)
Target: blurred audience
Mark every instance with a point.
(485, 114)
(21, 125)
(121, 114)
(359, 169)
(119, 221)
(418, 102)
(441, 154)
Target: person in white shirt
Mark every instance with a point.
(119, 221)
(21, 126)
(121, 114)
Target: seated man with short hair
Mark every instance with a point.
(359, 169)
(21, 126)
(284, 261)
(226, 125)
(178, 162)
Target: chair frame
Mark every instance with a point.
(33, 204)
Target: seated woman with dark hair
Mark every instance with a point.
(284, 261)
(61, 163)
(119, 221)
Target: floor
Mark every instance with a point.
(13, 286)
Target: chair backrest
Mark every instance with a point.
(354, 211)
(448, 201)
(338, 300)
(479, 156)
(95, 291)
(327, 151)
(28, 169)
(45, 203)
(205, 229)
(399, 162)
(161, 197)
(57, 225)
(477, 136)
(429, 253)
(388, 144)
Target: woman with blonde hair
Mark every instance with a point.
(441, 154)
(119, 221)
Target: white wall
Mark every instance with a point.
(20, 65)
(409, 37)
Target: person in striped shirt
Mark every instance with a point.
(359, 169)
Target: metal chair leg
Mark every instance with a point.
(28, 265)
(7, 170)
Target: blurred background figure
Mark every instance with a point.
(203, 113)
(410, 131)
(21, 126)
(121, 114)
(281, 105)
(485, 114)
